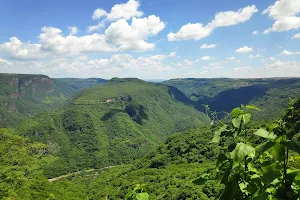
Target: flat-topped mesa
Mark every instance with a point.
(120, 80)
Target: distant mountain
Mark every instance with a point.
(81, 83)
(22, 95)
(270, 94)
(112, 124)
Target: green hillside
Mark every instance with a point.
(270, 95)
(112, 124)
(22, 95)
(81, 83)
(170, 170)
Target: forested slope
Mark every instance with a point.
(22, 95)
(270, 94)
(112, 124)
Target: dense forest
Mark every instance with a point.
(131, 139)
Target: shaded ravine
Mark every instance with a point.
(76, 173)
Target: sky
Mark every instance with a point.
(151, 39)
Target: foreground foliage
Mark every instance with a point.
(259, 170)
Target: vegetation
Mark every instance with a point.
(111, 124)
(129, 139)
(270, 95)
(24, 95)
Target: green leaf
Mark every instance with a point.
(265, 134)
(221, 159)
(236, 112)
(253, 107)
(246, 117)
(232, 189)
(296, 184)
(202, 179)
(240, 152)
(293, 145)
(259, 149)
(292, 173)
(217, 134)
(142, 196)
(243, 187)
(236, 122)
(270, 176)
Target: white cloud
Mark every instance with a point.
(207, 58)
(208, 46)
(230, 18)
(73, 30)
(230, 58)
(296, 36)
(4, 62)
(96, 27)
(272, 58)
(190, 31)
(244, 49)
(283, 65)
(187, 63)
(15, 49)
(254, 33)
(288, 53)
(52, 41)
(255, 56)
(133, 36)
(128, 62)
(98, 13)
(120, 11)
(197, 31)
(285, 13)
(242, 69)
(238, 61)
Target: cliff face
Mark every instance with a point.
(31, 82)
(22, 95)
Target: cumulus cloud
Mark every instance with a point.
(187, 63)
(296, 36)
(73, 30)
(255, 56)
(285, 13)
(254, 33)
(126, 61)
(15, 49)
(197, 31)
(272, 58)
(120, 11)
(208, 46)
(51, 40)
(244, 49)
(207, 58)
(133, 36)
(96, 27)
(190, 31)
(98, 13)
(288, 53)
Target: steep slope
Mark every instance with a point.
(271, 95)
(22, 95)
(112, 124)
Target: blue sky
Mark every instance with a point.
(157, 39)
